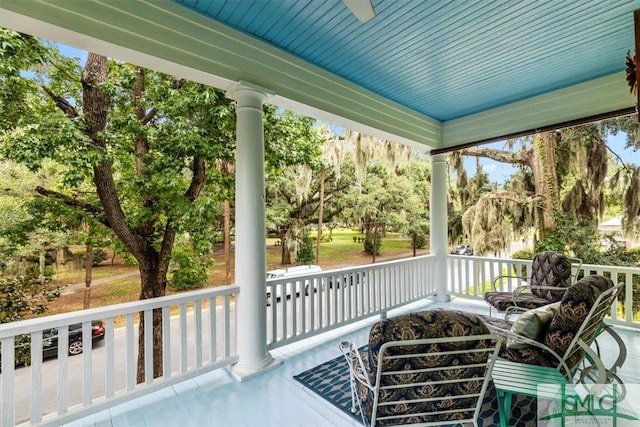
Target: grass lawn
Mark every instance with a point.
(341, 251)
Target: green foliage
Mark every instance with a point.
(419, 240)
(369, 243)
(526, 254)
(306, 250)
(572, 236)
(24, 295)
(189, 270)
(99, 255)
(419, 234)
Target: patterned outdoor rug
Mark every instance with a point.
(330, 380)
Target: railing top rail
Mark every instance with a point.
(611, 268)
(57, 320)
(377, 264)
(347, 270)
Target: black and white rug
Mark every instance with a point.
(330, 380)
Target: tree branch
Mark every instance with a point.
(197, 180)
(94, 211)
(61, 103)
(513, 197)
(521, 157)
(624, 166)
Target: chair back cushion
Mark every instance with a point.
(437, 323)
(576, 304)
(550, 269)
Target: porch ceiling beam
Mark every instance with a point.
(590, 99)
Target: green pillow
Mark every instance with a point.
(533, 324)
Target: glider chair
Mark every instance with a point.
(560, 335)
(431, 367)
(551, 274)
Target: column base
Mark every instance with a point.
(243, 373)
(442, 297)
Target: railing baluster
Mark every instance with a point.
(183, 338)
(63, 369)
(8, 381)
(198, 332)
(227, 326)
(148, 346)
(87, 377)
(109, 357)
(131, 358)
(166, 342)
(36, 376)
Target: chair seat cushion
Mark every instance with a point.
(504, 300)
(393, 398)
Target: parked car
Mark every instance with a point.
(349, 278)
(50, 341)
(462, 250)
(50, 338)
(294, 287)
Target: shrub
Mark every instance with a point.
(306, 254)
(368, 243)
(25, 295)
(420, 241)
(523, 254)
(189, 270)
(99, 255)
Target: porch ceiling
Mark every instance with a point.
(432, 73)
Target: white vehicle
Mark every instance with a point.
(297, 283)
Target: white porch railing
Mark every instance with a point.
(198, 336)
(320, 302)
(471, 277)
(199, 332)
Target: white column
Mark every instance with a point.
(250, 245)
(439, 223)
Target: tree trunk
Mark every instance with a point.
(151, 241)
(285, 257)
(88, 269)
(227, 241)
(320, 214)
(42, 262)
(153, 281)
(546, 182)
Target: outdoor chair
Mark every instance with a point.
(551, 274)
(431, 367)
(561, 335)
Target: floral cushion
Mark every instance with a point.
(574, 307)
(550, 269)
(503, 300)
(436, 323)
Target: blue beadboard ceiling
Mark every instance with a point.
(429, 73)
(445, 59)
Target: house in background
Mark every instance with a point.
(613, 228)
